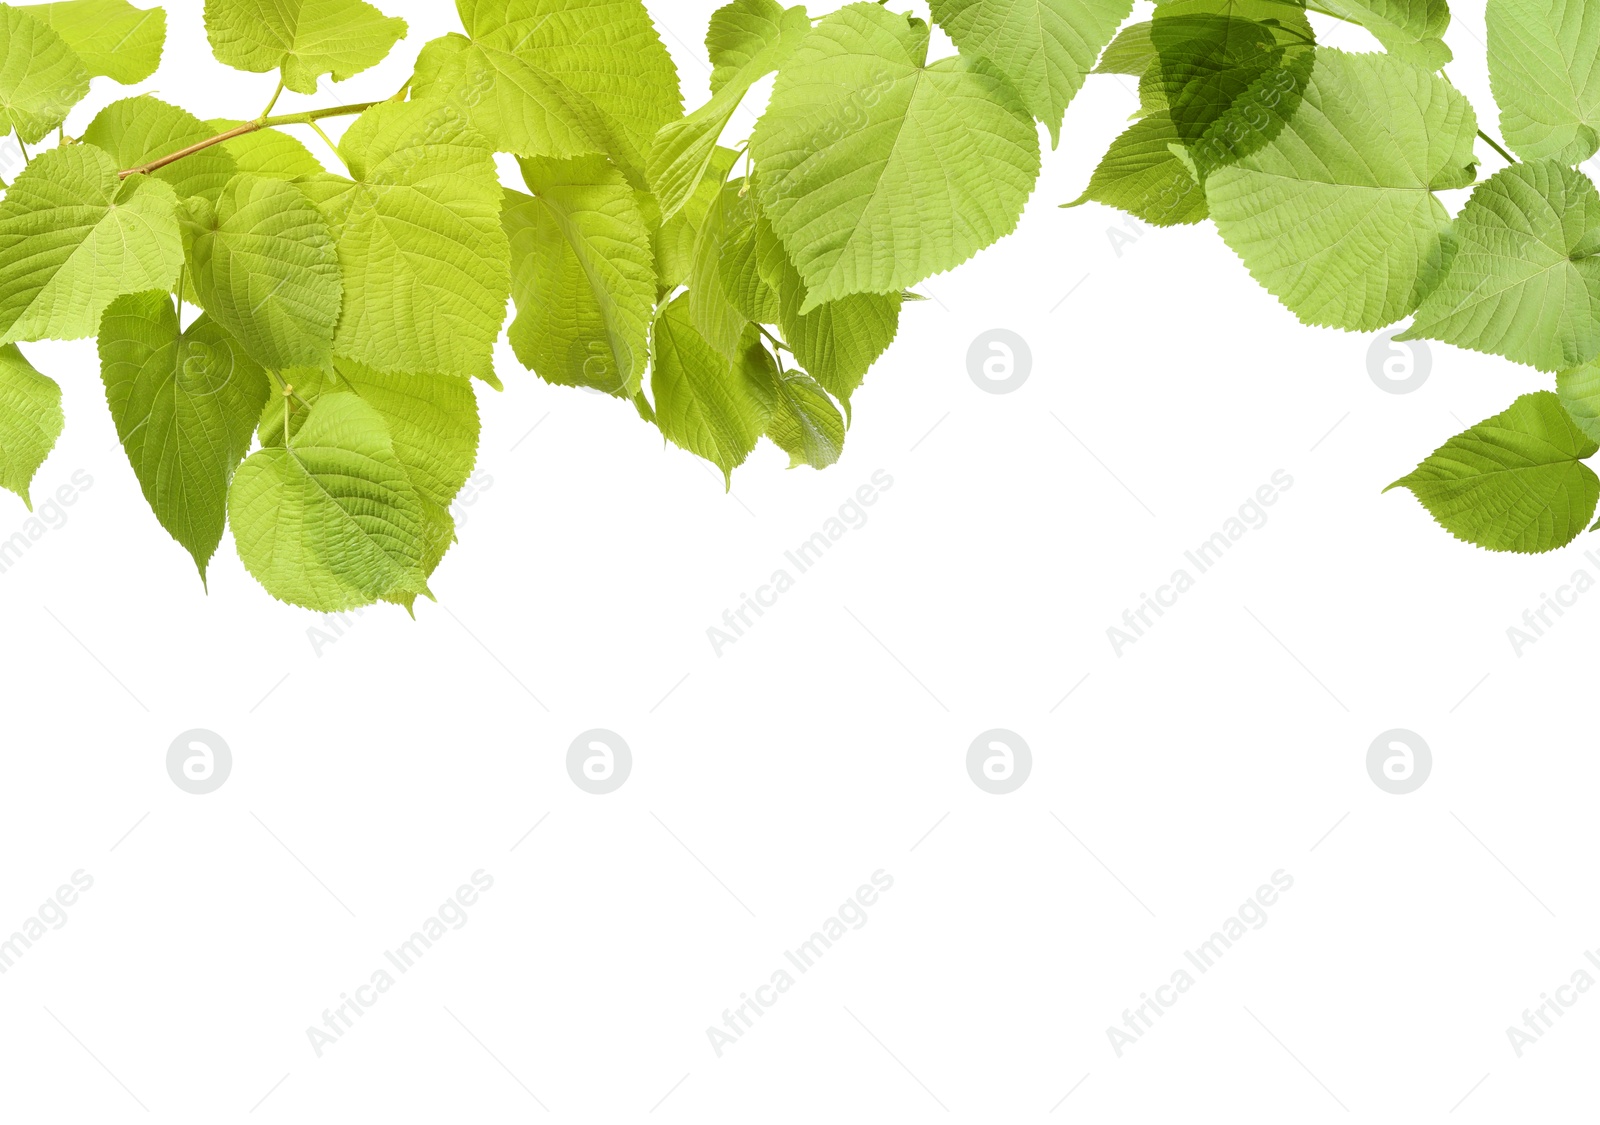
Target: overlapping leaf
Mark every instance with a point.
(330, 520)
(1044, 48)
(266, 268)
(1143, 175)
(805, 423)
(703, 403)
(1336, 216)
(1409, 29)
(136, 131)
(878, 170)
(41, 78)
(557, 78)
(267, 152)
(583, 276)
(748, 40)
(1514, 482)
(1525, 279)
(110, 37)
(185, 406)
(74, 237)
(424, 258)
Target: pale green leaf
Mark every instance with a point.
(1142, 174)
(111, 37)
(41, 78)
(557, 78)
(1044, 48)
(714, 409)
(266, 268)
(185, 406)
(1514, 482)
(877, 170)
(1579, 389)
(304, 38)
(73, 238)
(1409, 29)
(711, 308)
(1544, 68)
(268, 152)
(425, 262)
(583, 276)
(136, 131)
(674, 239)
(1525, 279)
(1336, 217)
(1131, 52)
(30, 421)
(748, 40)
(805, 423)
(331, 521)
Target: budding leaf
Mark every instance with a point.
(714, 409)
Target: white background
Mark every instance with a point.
(375, 774)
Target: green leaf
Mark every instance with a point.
(748, 40)
(1525, 279)
(837, 342)
(1131, 52)
(1579, 389)
(1514, 482)
(557, 78)
(1044, 48)
(304, 38)
(714, 409)
(711, 309)
(1142, 175)
(805, 423)
(331, 521)
(111, 37)
(73, 238)
(185, 406)
(266, 267)
(1409, 29)
(267, 152)
(878, 171)
(1228, 73)
(1336, 216)
(136, 131)
(30, 421)
(1544, 69)
(426, 267)
(583, 276)
(41, 78)
(674, 239)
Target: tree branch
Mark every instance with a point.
(309, 118)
